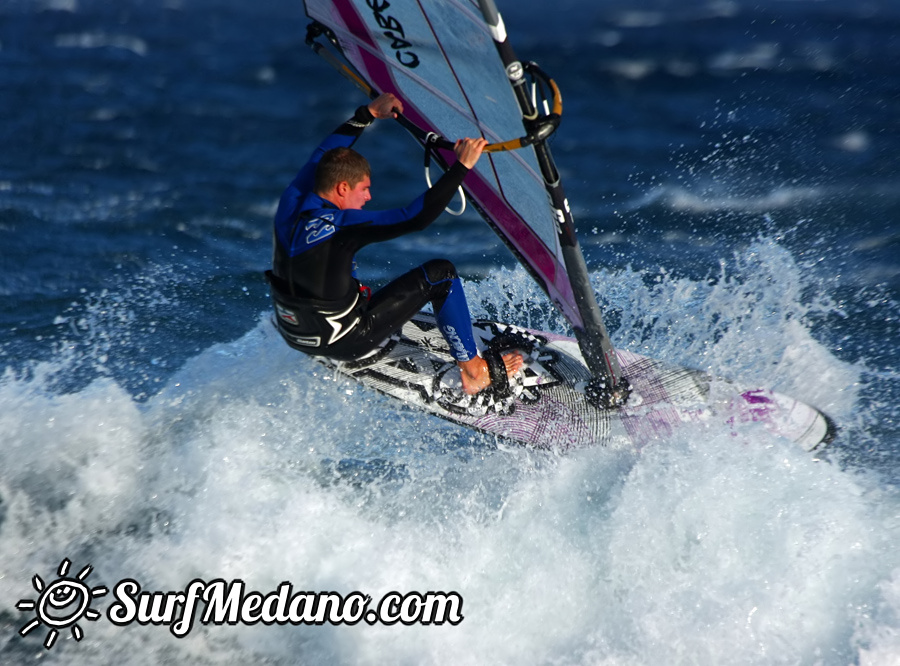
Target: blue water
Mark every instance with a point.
(734, 169)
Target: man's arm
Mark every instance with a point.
(344, 136)
(383, 106)
(379, 226)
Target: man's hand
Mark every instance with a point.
(469, 150)
(385, 106)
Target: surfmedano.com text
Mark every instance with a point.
(231, 603)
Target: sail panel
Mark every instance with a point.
(439, 58)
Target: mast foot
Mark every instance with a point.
(608, 397)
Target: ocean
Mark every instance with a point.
(734, 172)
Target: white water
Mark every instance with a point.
(253, 464)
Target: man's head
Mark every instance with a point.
(343, 177)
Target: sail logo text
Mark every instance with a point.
(393, 30)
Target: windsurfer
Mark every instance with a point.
(320, 306)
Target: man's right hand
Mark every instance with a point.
(385, 106)
(469, 150)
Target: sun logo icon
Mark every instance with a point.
(61, 603)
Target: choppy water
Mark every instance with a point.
(734, 173)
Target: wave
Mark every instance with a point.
(254, 463)
(96, 40)
(683, 199)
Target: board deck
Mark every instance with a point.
(548, 407)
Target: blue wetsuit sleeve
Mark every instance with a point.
(344, 136)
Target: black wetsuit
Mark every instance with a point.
(320, 306)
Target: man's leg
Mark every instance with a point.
(455, 323)
(451, 309)
(395, 304)
(388, 309)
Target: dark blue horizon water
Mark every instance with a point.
(734, 170)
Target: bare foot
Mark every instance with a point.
(475, 375)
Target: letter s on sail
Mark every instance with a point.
(393, 30)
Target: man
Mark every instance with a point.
(321, 308)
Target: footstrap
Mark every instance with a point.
(497, 372)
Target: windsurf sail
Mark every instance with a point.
(452, 65)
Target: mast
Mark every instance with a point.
(609, 387)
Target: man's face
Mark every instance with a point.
(358, 195)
